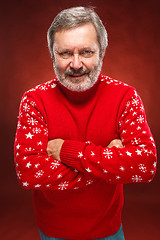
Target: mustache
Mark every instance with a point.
(72, 71)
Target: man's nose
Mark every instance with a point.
(76, 62)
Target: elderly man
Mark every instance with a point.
(81, 136)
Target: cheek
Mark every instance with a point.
(92, 63)
(61, 65)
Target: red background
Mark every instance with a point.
(132, 57)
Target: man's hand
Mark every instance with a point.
(116, 143)
(54, 148)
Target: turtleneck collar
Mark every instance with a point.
(79, 97)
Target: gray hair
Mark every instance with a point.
(73, 17)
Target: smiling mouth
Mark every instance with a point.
(77, 78)
(77, 75)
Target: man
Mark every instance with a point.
(81, 136)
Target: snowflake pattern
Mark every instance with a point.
(32, 121)
(89, 182)
(108, 153)
(54, 165)
(39, 174)
(136, 178)
(19, 175)
(32, 124)
(140, 119)
(63, 185)
(142, 168)
(36, 130)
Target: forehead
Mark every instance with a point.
(77, 37)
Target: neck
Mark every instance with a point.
(79, 97)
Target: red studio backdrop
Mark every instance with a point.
(131, 57)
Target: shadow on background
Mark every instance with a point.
(132, 57)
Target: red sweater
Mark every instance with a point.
(82, 197)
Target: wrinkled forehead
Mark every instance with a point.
(82, 36)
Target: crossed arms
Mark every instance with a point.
(65, 164)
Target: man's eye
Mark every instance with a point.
(65, 54)
(87, 53)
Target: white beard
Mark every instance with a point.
(79, 85)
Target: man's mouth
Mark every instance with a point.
(77, 75)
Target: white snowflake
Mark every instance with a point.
(19, 174)
(29, 149)
(135, 102)
(136, 141)
(32, 121)
(141, 108)
(39, 174)
(105, 171)
(48, 185)
(142, 168)
(136, 178)
(108, 153)
(39, 143)
(89, 182)
(43, 87)
(63, 185)
(120, 123)
(128, 104)
(36, 130)
(46, 132)
(140, 119)
(54, 165)
(26, 107)
(19, 125)
(33, 104)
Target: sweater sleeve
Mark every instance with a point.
(35, 169)
(136, 162)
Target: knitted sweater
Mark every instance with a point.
(82, 196)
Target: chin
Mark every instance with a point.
(78, 87)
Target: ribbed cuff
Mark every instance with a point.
(69, 153)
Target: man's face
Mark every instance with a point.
(76, 52)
